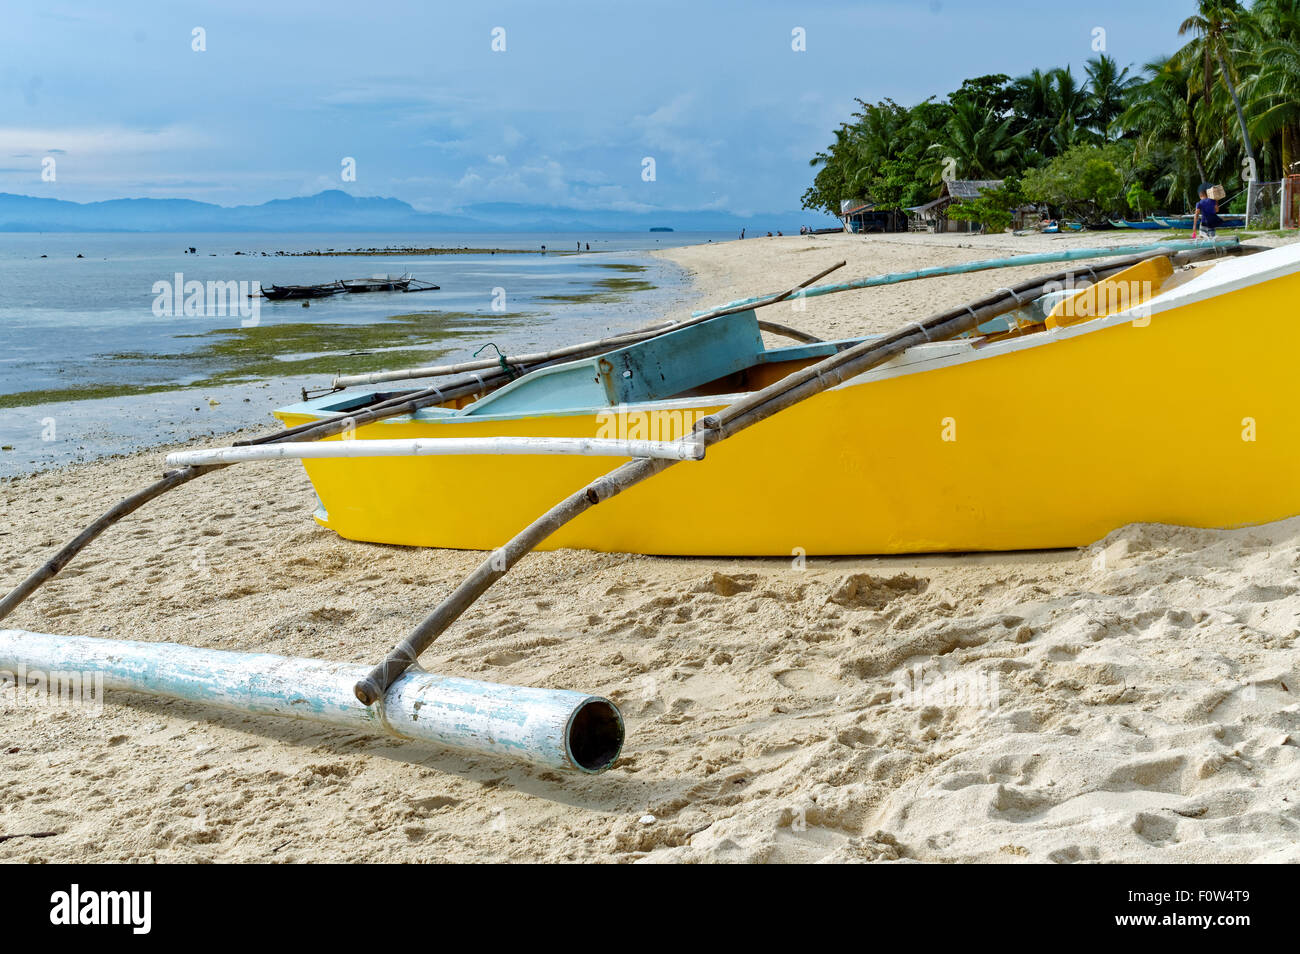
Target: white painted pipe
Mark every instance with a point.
(459, 446)
(552, 727)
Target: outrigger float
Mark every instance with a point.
(1043, 415)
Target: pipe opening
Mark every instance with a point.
(595, 735)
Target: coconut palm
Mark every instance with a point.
(1109, 89)
(1215, 26)
(1162, 116)
(1032, 105)
(1272, 91)
(983, 144)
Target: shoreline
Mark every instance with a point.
(222, 369)
(927, 708)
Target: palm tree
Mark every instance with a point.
(982, 144)
(1032, 104)
(1109, 88)
(1163, 117)
(1214, 26)
(1273, 90)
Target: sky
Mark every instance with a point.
(583, 93)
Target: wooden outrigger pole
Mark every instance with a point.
(578, 732)
(319, 430)
(505, 371)
(750, 410)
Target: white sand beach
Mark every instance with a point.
(1134, 701)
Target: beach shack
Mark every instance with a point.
(862, 216)
(933, 215)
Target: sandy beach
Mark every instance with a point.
(1134, 701)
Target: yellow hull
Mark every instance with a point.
(1053, 440)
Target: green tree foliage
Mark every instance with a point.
(994, 210)
(1084, 182)
(1230, 94)
(1140, 200)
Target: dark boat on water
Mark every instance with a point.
(376, 283)
(286, 292)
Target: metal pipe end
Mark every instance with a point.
(594, 735)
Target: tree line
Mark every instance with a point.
(1117, 141)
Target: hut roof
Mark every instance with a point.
(933, 203)
(970, 188)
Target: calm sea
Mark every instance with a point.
(69, 322)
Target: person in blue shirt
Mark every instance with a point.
(1206, 217)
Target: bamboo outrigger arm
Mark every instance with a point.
(752, 409)
(801, 291)
(588, 348)
(1015, 261)
(319, 430)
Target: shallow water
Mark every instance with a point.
(73, 330)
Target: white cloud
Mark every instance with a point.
(90, 142)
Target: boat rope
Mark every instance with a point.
(921, 328)
(1012, 293)
(510, 370)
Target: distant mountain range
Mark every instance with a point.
(335, 211)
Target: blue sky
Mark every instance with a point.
(564, 115)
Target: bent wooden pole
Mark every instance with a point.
(123, 508)
(593, 347)
(489, 364)
(1227, 244)
(785, 331)
(319, 430)
(442, 447)
(753, 408)
(552, 727)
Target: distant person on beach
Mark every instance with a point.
(742, 233)
(1206, 217)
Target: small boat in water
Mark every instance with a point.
(289, 292)
(1144, 224)
(1137, 404)
(377, 283)
(1185, 221)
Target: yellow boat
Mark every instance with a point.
(1156, 396)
